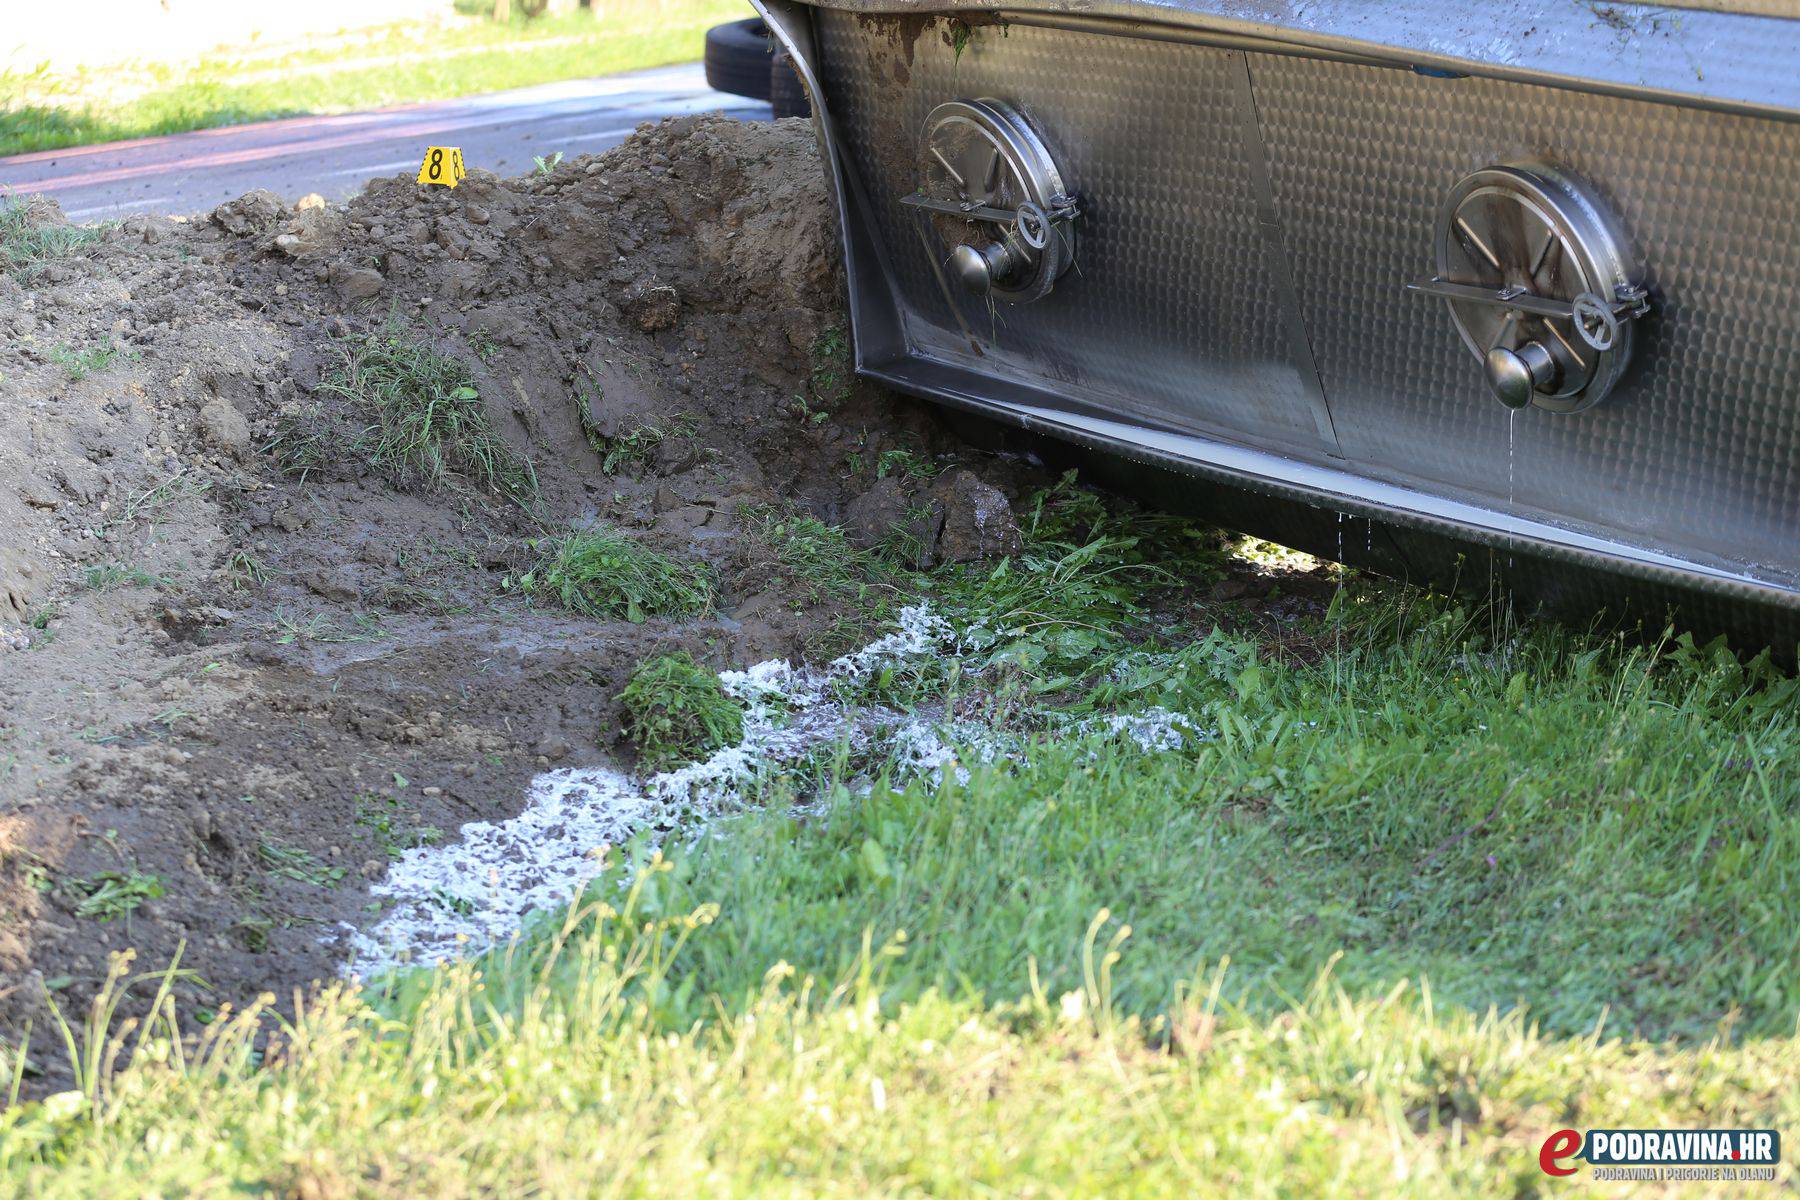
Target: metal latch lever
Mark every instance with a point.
(1596, 320)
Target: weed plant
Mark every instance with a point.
(676, 711)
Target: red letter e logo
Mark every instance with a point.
(1560, 1144)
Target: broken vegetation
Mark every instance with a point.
(32, 235)
(676, 712)
(602, 573)
(429, 423)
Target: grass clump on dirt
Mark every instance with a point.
(828, 381)
(816, 564)
(111, 895)
(79, 363)
(635, 446)
(633, 449)
(602, 573)
(305, 441)
(292, 862)
(108, 576)
(818, 560)
(1090, 585)
(428, 421)
(676, 711)
(325, 628)
(28, 240)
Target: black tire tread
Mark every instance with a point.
(737, 58)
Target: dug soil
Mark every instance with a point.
(250, 654)
(245, 662)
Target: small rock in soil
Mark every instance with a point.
(892, 508)
(978, 520)
(250, 213)
(356, 283)
(225, 427)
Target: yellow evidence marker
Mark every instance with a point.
(443, 164)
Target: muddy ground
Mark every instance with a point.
(244, 667)
(253, 674)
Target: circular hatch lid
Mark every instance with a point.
(997, 198)
(1538, 281)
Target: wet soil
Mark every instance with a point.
(244, 668)
(243, 689)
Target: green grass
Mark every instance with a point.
(150, 503)
(304, 441)
(557, 1072)
(109, 576)
(28, 241)
(1595, 854)
(633, 449)
(1392, 914)
(80, 362)
(1597, 831)
(381, 815)
(401, 64)
(830, 377)
(602, 573)
(428, 421)
(819, 562)
(482, 345)
(817, 566)
(243, 569)
(43, 619)
(326, 629)
(676, 711)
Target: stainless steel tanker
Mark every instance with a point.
(1447, 289)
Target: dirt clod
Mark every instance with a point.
(225, 427)
(871, 518)
(249, 214)
(355, 283)
(978, 519)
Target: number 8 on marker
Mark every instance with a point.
(443, 165)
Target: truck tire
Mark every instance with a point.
(787, 95)
(737, 58)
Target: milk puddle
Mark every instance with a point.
(453, 900)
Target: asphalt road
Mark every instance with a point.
(334, 156)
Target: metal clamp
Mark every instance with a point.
(1517, 375)
(1031, 222)
(1023, 233)
(1589, 312)
(1597, 321)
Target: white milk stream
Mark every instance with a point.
(452, 900)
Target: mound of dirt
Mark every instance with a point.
(249, 655)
